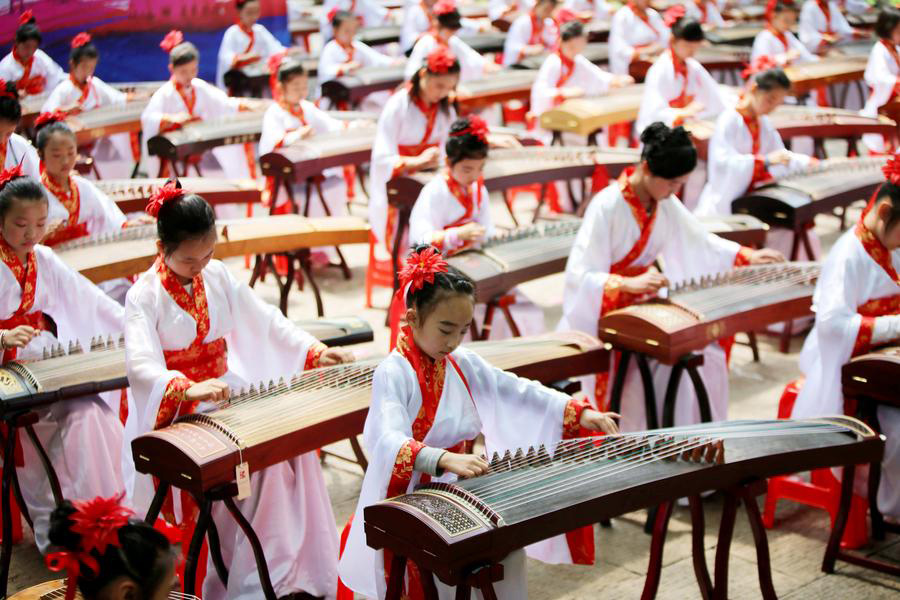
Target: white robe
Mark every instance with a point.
(333, 56)
(11, 70)
(19, 151)
(401, 123)
(370, 12)
(415, 24)
(767, 44)
(289, 507)
(849, 279)
(600, 9)
(471, 64)
(713, 16)
(235, 42)
(511, 412)
(882, 75)
(688, 250)
(82, 436)
(496, 8)
(812, 24)
(731, 164)
(627, 32)
(211, 103)
(519, 36)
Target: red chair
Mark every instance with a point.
(379, 272)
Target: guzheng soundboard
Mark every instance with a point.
(697, 313)
(132, 195)
(484, 42)
(595, 52)
(92, 125)
(585, 116)
(510, 84)
(380, 35)
(277, 421)
(56, 590)
(718, 57)
(355, 86)
(197, 138)
(742, 33)
(133, 250)
(139, 90)
(874, 375)
(310, 157)
(839, 69)
(252, 79)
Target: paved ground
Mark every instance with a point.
(797, 543)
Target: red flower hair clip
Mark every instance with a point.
(332, 13)
(443, 7)
(26, 17)
(477, 127)
(163, 195)
(275, 62)
(420, 268)
(675, 12)
(564, 15)
(172, 39)
(7, 175)
(50, 117)
(82, 39)
(892, 170)
(441, 60)
(5, 93)
(762, 63)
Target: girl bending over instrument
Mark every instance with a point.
(430, 399)
(857, 308)
(446, 24)
(14, 149)
(32, 70)
(627, 228)
(192, 333)
(43, 302)
(883, 73)
(245, 42)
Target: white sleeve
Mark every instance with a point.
(228, 50)
(841, 25)
(273, 131)
(621, 52)
(54, 100)
(691, 251)
(329, 62)
(484, 215)
(320, 120)
(713, 97)
(418, 56)
(271, 43)
(807, 26)
(55, 73)
(372, 57)
(730, 171)
(470, 61)
(153, 115)
(106, 214)
(600, 79)
(516, 39)
(422, 221)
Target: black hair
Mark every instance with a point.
(452, 282)
(341, 16)
(239, 4)
(888, 19)
(187, 218)
(416, 82)
(450, 20)
(85, 52)
(571, 30)
(688, 29)
(20, 188)
(783, 5)
(890, 191)
(10, 107)
(772, 79)
(183, 53)
(46, 131)
(461, 147)
(28, 31)
(144, 555)
(290, 68)
(669, 152)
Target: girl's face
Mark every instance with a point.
(60, 154)
(764, 102)
(642, 4)
(575, 46)
(784, 21)
(684, 49)
(295, 89)
(346, 31)
(543, 9)
(660, 188)
(191, 256)
(26, 49)
(435, 87)
(7, 128)
(889, 235)
(468, 170)
(249, 13)
(895, 34)
(84, 69)
(444, 327)
(24, 224)
(184, 74)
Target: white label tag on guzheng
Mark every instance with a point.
(242, 477)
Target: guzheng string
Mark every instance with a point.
(75, 362)
(61, 593)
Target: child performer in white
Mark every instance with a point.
(192, 332)
(14, 149)
(245, 42)
(418, 432)
(82, 436)
(857, 307)
(82, 91)
(344, 55)
(447, 22)
(531, 33)
(746, 150)
(185, 99)
(637, 32)
(590, 10)
(883, 71)
(27, 65)
(411, 131)
(704, 12)
(627, 228)
(822, 24)
(508, 10)
(777, 40)
(371, 13)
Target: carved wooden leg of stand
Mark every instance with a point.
(9, 462)
(723, 546)
(840, 521)
(215, 552)
(396, 577)
(193, 555)
(261, 566)
(618, 384)
(429, 589)
(156, 504)
(763, 564)
(698, 528)
(657, 544)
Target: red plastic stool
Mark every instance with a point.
(379, 272)
(514, 111)
(822, 491)
(16, 516)
(551, 197)
(343, 592)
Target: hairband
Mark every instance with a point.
(420, 268)
(46, 118)
(172, 39)
(82, 39)
(477, 127)
(443, 7)
(762, 63)
(163, 195)
(7, 175)
(441, 60)
(26, 17)
(675, 12)
(892, 170)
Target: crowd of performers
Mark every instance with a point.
(193, 331)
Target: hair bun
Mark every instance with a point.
(61, 533)
(655, 133)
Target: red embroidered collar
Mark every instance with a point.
(876, 250)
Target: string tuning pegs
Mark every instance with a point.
(45, 354)
(121, 340)
(77, 349)
(495, 460)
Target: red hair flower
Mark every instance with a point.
(477, 127)
(564, 15)
(50, 117)
(441, 60)
(675, 12)
(420, 268)
(5, 93)
(7, 175)
(762, 63)
(163, 195)
(892, 170)
(443, 7)
(98, 522)
(26, 17)
(275, 62)
(82, 39)
(332, 13)
(172, 39)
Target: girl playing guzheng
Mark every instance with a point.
(14, 149)
(705, 12)
(371, 13)
(883, 71)
(822, 24)
(82, 436)
(777, 41)
(192, 332)
(411, 131)
(245, 42)
(531, 33)
(430, 397)
(27, 65)
(637, 32)
(627, 228)
(857, 308)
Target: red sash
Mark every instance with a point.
(71, 201)
(189, 101)
(537, 30)
(680, 68)
(465, 199)
(350, 51)
(85, 90)
(26, 276)
(760, 173)
(430, 114)
(248, 31)
(826, 10)
(889, 305)
(31, 85)
(641, 14)
(701, 5)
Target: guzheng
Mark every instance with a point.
(91, 125)
(718, 57)
(873, 375)
(310, 157)
(532, 494)
(746, 230)
(197, 138)
(595, 52)
(272, 423)
(254, 78)
(510, 84)
(699, 312)
(56, 590)
(380, 35)
(31, 106)
(485, 42)
(742, 33)
(840, 69)
(585, 116)
(355, 86)
(133, 250)
(132, 195)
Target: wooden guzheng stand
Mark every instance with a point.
(460, 532)
(276, 422)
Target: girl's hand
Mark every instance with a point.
(297, 135)
(335, 356)
(470, 232)
(463, 465)
(765, 256)
(211, 390)
(779, 157)
(598, 421)
(619, 81)
(571, 92)
(17, 337)
(648, 283)
(429, 159)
